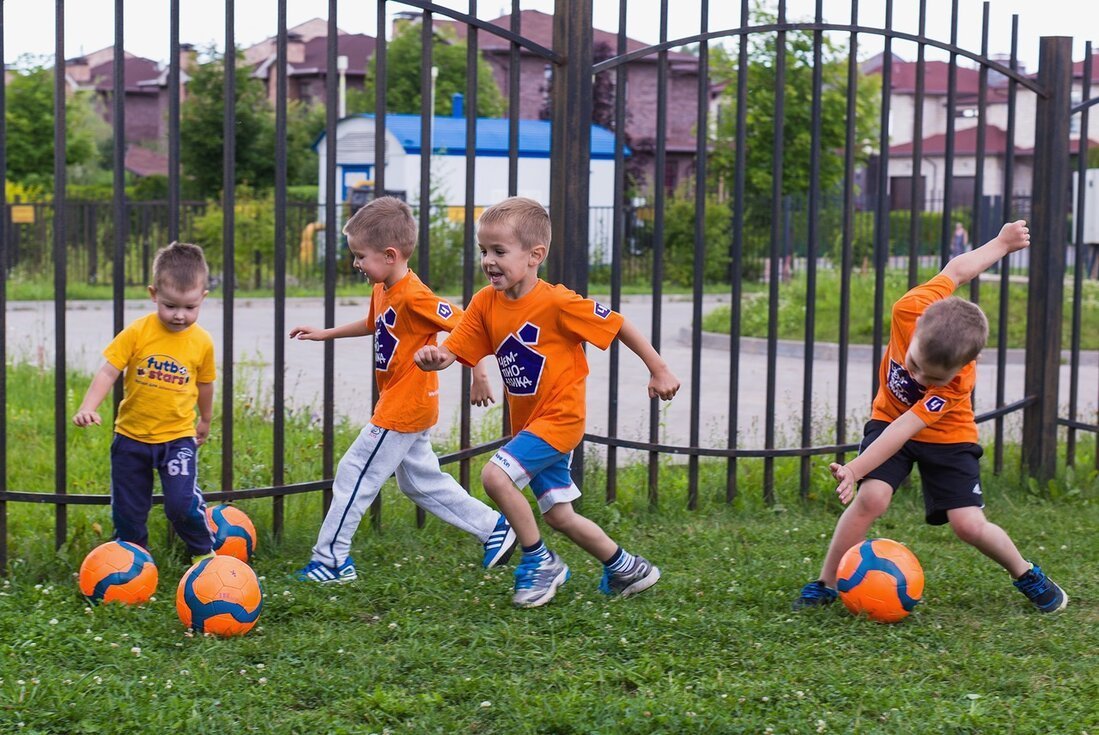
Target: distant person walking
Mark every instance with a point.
(960, 242)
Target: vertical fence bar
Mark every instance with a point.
(1005, 264)
(173, 122)
(465, 433)
(228, 236)
(660, 194)
(381, 93)
(427, 118)
(702, 134)
(60, 420)
(979, 173)
(5, 260)
(811, 254)
(778, 150)
(278, 446)
(916, 205)
(847, 255)
(737, 255)
(1081, 263)
(514, 62)
(948, 166)
(330, 242)
(1047, 256)
(121, 220)
(881, 208)
(618, 235)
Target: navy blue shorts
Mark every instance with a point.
(950, 473)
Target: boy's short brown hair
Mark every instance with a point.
(527, 218)
(386, 222)
(952, 332)
(181, 265)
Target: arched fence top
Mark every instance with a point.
(1022, 79)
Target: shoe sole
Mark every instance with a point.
(559, 580)
(644, 583)
(505, 552)
(337, 580)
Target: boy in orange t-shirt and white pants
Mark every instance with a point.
(404, 316)
(536, 332)
(923, 415)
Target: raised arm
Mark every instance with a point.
(964, 268)
(434, 357)
(357, 328)
(88, 412)
(662, 383)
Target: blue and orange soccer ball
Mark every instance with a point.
(880, 579)
(221, 596)
(234, 534)
(118, 571)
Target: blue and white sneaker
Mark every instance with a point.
(501, 543)
(640, 576)
(537, 579)
(317, 571)
(1046, 595)
(814, 594)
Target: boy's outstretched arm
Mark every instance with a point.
(963, 269)
(662, 382)
(480, 390)
(888, 443)
(434, 357)
(88, 413)
(357, 328)
(205, 412)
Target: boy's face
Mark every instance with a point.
(384, 266)
(926, 374)
(177, 308)
(509, 266)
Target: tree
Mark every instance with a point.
(403, 64)
(29, 105)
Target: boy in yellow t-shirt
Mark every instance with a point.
(168, 362)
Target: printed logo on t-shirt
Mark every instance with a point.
(444, 310)
(520, 364)
(934, 404)
(161, 371)
(601, 311)
(385, 344)
(902, 386)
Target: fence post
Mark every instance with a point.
(1045, 292)
(570, 146)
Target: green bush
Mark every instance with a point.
(254, 231)
(679, 240)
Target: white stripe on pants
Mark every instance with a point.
(370, 460)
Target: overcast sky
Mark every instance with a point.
(89, 24)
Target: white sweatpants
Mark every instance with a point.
(372, 459)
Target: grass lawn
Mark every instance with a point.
(792, 309)
(427, 642)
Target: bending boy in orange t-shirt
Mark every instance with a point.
(923, 415)
(537, 332)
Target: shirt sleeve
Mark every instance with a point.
(936, 404)
(439, 313)
(469, 340)
(916, 301)
(207, 366)
(589, 320)
(121, 349)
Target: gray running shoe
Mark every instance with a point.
(640, 576)
(537, 579)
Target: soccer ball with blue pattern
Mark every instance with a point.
(880, 579)
(118, 571)
(219, 595)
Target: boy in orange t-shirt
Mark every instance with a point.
(536, 332)
(404, 315)
(923, 415)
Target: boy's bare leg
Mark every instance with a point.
(971, 526)
(583, 532)
(869, 504)
(512, 503)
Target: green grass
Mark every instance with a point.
(792, 309)
(427, 642)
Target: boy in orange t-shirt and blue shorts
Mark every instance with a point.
(537, 332)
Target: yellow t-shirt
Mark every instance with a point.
(162, 370)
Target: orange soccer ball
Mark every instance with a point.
(234, 534)
(880, 579)
(220, 596)
(118, 571)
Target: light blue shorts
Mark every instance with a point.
(528, 460)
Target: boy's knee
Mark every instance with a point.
(873, 498)
(969, 527)
(495, 480)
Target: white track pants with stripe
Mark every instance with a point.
(372, 459)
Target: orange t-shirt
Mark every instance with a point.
(406, 317)
(538, 342)
(947, 410)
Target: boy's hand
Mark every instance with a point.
(846, 479)
(480, 391)
(202, 432)
(1015, 235)
(86, 417)
(310, 333)
(663, 385)
(429, 357)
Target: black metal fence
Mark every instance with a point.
(819, 231)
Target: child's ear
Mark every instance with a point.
(538, 254)
(152, 292)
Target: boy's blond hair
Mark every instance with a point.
(952, 333)
(386, 222)
(181, 265)
(527, 219)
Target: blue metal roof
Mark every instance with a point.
(449, 135)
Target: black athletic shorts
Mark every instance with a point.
(950, 473)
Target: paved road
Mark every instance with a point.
(89, 328)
